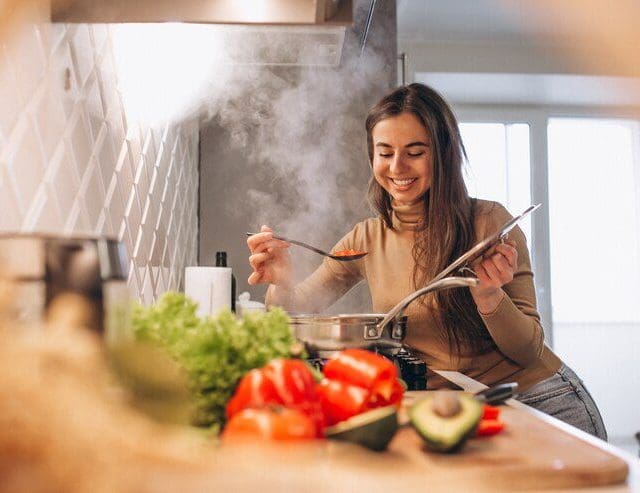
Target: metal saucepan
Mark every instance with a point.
(365, 330)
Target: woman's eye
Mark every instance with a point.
(385, 155)
(416, 154)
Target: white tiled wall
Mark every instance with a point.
(71, 162)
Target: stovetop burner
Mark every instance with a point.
(410, 368)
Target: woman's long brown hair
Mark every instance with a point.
(447, 229)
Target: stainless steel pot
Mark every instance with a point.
(365, 330)
(79, 279)
(335, 333)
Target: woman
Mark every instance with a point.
(426, 220)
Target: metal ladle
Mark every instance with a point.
(341, 258)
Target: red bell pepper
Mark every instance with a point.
(284, 382)
(490, 412)
(488, 427)
(276, 423)
(368, 370)
(341, 400)
(255, 390)
(363, 368)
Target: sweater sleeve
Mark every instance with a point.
(515, 323)
(328, 283)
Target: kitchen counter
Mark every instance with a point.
(534, 452)
(64, 429)
(633, 479)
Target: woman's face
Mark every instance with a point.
(402, 157)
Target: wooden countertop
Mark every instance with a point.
(535, 453)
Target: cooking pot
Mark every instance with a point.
(76, 280)
(338, 332)
(364, 330)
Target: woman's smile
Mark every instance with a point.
(403, 184)
(402, 159)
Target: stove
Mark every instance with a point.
(412, 370)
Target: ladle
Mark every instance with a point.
(341, 258)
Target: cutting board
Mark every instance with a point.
(530, 454)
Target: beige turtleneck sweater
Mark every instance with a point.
(519, 354)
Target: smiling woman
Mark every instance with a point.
(402, 161)
(426, 219)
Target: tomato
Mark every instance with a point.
(274, 423)
(488, 427)
(490, 412)
(341, 400)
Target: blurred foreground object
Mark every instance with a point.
(72, 281)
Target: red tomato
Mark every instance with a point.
(488, 427)
(341, 400)
(276, 423)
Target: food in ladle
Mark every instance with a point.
(347, 253)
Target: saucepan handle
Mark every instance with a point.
(446, 283)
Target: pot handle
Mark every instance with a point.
(446, 283)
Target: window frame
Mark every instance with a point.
(537, 117)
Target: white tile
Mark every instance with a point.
(49, 119)
(81, 52)
(93, 107)
(10, 219)
(80, 143)
(65, 181)
(27, 167)
(69, 161)
(44, 214)
(10, 101)
(24, 55)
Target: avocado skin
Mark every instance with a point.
(427, 423)
(373, 429)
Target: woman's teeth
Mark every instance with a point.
(403, 183)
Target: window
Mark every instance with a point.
(498, 165)
(594, 192)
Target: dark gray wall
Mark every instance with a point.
(289, 150)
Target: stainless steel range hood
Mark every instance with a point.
(256, 32)
(307, 12)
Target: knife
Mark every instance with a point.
(497, 394)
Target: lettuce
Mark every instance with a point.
(215, 352)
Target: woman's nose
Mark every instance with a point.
(397, 164)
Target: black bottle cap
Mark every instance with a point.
(221, 259)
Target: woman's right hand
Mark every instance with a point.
(270, 259)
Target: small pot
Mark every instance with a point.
(335, 333)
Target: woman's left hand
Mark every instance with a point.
(494, 271)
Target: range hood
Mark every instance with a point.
(288, 12)
(256, 32)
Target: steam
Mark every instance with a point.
(299, 129)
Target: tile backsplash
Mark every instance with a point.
(71, 161)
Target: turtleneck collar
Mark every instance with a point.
(407, 216)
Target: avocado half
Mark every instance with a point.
(373, 429)
(446, 434)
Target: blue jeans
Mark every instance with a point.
(565, 397)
